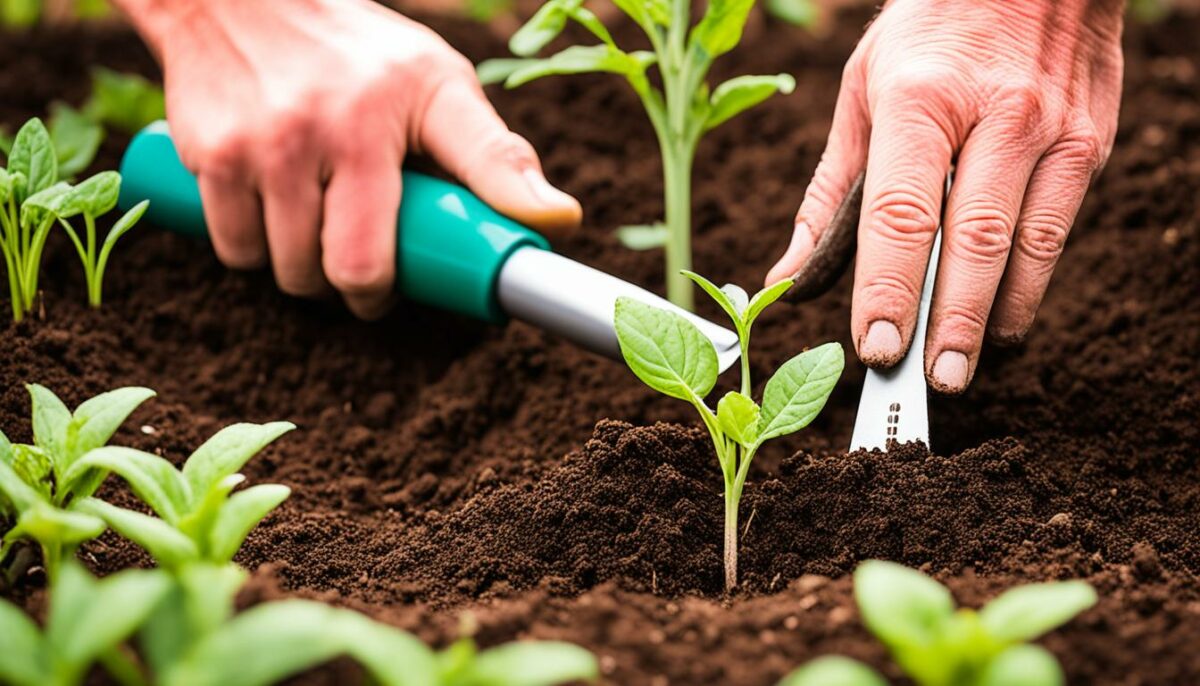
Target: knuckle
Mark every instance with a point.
(904, 215)
(223, 157)
(1022, 96)
(1042, 236)
(1084, 146)
(285, 143)
(961, 325)
(920, 81)
(511, 149)
(982, 233)
(889, 293)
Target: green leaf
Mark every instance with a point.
(20, 494)
(51, 421)
(764, 299)
(901, 606)
(76, 139)
(1022, 665)
(33, 465)
(24, 659)
(33, 156)
(226, 452)
(647, 13)
(534, 663)
(803, 13)
(833, 670)
(667, 352)
(43, 203)
(796, 393)
(727, 300)
(168, 546)
(6, 186)
(497, 70)
(90, 617)
(199, 603)
(720, 30)
(47, 524)
(737, 415)
(6, 141)
(92, 424)
(126, 102)
(743, 92)
(95, 196)
(580, 59)
(269, 642)
(241, 513)
(153, 479)
(1026, 612)
(124, 224)
(642, 236)
(543, 27)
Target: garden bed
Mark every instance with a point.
(444, 467)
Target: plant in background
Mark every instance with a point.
(87, 622)
(200, 519)
(42, 485)
(673, 357)
(681, 112)
(936, 645)
(24, 14)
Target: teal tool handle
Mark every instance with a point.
(450, 245)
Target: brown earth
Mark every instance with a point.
(444, 467)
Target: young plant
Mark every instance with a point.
(937, 645)
(681, 112)
(673, 357)
(124, 102)
(87, 622)
(42, 485)
(200, 519)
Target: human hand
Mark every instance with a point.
(296, 118)
(1024, 93)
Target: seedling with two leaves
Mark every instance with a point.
(673, 357)
(43, 485)
(937, 645)
(682, 111)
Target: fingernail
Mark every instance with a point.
(545, 193)
(950, 372)
(881, 347)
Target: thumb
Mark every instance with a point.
(462, 131)
(823, 236)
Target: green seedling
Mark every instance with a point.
(199, 519)
(803, 13)
(937, 645)
(124, 102)
(43, 485)
(88, 621)
(682, 111)
(673, 357)
(76, 139)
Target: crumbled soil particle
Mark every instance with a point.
(443, 467)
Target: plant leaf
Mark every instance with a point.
(667, 352)
(24, 659)
(765, 298)
(104, 614)
(393, 657)
(720, 29)
(543, 27)
(47, 524)
(153, 479)
(1022, 665)
(1026, 612)
(901, 606)
(33, 465)
(796, 393)
(45, 202)
(534, 663)
(98, 418)
(199, 602)
(642, 236)
(32, 155)
(738, 416)
(226, 452)
(833, 670)
(743, 92)
(497, 70)
(581, 59)
(20, 494)
(723, 299)
(803, 13)
(76, 139)
(122, 227)
(51, 421)
(167, 545)
(241, 513)
(126, 102)
(94, 196)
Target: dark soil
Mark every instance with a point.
(444, 467)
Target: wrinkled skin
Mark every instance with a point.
(296, 116)
(1022, 95)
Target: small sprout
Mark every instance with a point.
(681, 112)
(125, 102)
(76, 138)
(673, 357)
(42, 485)
(199, 519)
(937, 645)
(87, 622)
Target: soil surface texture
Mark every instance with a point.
(444, 467)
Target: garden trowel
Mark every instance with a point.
(453, 252)
(895, 402)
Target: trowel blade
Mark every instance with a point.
(576, 302)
